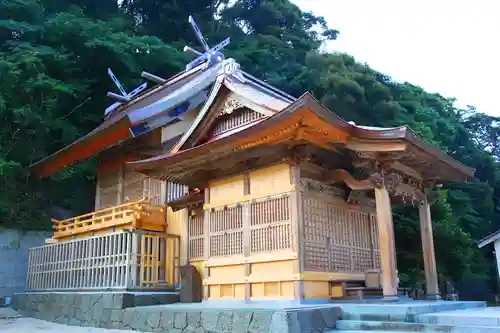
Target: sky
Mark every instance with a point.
(451, 47)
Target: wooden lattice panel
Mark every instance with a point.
(226, 231)
(159, 256)
(270, 228)
(375, 240)
(101, 262)
(196, 237)
(316, 256)
(237, 118)
(338, 239)
(175, 191)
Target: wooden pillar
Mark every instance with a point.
(431, 278)
(297, 224)
(121, 185)
(97, 194)
(387, 243)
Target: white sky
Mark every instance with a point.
(447, 46)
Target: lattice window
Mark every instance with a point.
(175, 191)
(226, 231)
(237, 118)
(152, 190)
(349, 238)
(270, 228)
(196, 239)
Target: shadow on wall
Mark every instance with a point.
(14, 245)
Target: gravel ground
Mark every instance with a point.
(11, 322)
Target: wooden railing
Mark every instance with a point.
(138, 214)
(116, 261)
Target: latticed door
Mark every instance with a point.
(159, 257)
(338, 239)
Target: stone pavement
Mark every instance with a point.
(12, 322)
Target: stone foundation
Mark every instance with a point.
(115, 311)
(85, 309)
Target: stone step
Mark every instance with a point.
(401, 311)
(379, 317)
(377, 326)
(337, 331)
(470, 317)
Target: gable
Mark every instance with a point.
(232, 116)
(225, 112)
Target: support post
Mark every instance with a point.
(431, 278)
(297, 230)
(387, 243)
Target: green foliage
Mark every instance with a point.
(53, 83)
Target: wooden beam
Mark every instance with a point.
(341, 175)
(375, 146)
(431, 278)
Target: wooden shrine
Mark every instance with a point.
(271, 197)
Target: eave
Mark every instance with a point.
(306, 119)
(193, 198)
(489, 239)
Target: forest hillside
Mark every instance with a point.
(54, 57)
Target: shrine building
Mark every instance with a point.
(269, 196)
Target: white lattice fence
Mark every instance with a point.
(122, 260)
(102, 262)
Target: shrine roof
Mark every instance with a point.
(489, 239)
(158, 107)
(192, 198)
(318, 121)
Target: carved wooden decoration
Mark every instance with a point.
(317, 186)
(229, 106)
(360, 198)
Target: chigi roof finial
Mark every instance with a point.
(211, 55)
(124, 97)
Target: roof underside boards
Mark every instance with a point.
(85, 147)
(489, 239)
(168, 105)
(319, 122)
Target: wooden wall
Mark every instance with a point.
(244, 240)
(340, 240)
(118, 186)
